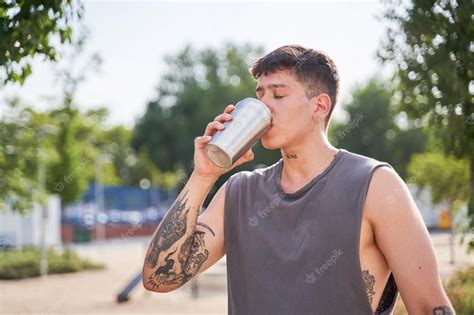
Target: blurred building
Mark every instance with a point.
(17, 230)
(436, 216)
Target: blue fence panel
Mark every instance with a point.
(121, 204)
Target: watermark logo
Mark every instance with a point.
(341, 134)
(59, 186)
(253, 221)
(274, 203)
(320, 270)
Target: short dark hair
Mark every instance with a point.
(313, 68)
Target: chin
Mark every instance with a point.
(269, 144)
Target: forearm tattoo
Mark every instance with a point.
(171, 230)
(442, 310)
(369, 281)
(192, 253)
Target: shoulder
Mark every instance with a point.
(386, 186)
(257, 176)
(384, 190)
(354, 159)
(360, 168)
(388, 196)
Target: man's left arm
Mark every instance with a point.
(401, 235)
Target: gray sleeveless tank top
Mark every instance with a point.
(298, 253)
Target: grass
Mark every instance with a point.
(26, 263)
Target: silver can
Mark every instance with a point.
(251, 120)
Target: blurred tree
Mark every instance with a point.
(431, 44)
(447, 179)
(129, 168)
(197, 86)
(21, 147)
(33, 27)
(68, 175)
(115, 143)
(71, 152)
(68, 142)
(372, 129)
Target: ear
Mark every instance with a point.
(322, 106)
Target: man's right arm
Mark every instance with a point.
(185, 243)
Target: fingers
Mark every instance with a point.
(223, 117)
(213, 127)
(229, 109)
(200, 142)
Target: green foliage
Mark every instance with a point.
(26, 263)
(68, 142)
(431, 44)
(446, 177)
(371, 129)
(21, 147)
(29, 28)
(68, 173)
(123, 165)
(197, 86)
(460, 290)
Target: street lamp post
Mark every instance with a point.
(99, 196)
(43, 130)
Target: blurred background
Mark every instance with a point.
(100, 102)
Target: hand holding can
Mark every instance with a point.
(251, 119)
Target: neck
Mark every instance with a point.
(304, 161)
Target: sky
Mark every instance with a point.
(133, 37)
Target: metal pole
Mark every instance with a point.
(99, 197)
(46, 129)
(451, 235)
(44, 217)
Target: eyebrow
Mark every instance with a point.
(271, 86)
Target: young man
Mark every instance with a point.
(322, 231)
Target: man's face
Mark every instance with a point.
(291, 109)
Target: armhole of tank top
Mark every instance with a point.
(365, 190)
(390, 291)
(228, 189)
(388, 298)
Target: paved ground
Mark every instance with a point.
(94, 292)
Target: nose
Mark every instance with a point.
(267, 102)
